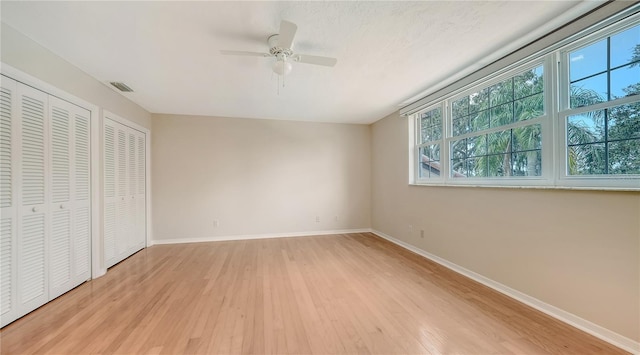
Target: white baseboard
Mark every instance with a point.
(555, 312)
(257, 236)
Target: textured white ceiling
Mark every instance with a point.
(168, 52)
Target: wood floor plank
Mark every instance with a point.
(339, 294)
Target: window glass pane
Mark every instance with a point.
(479, 121)
(625, 81)
(529, 107)
(499, 142)
(477, 146)
(527, 138)
(460, 107)
(586, 159)
(512, 152)
(499, 165)
(425, 125)
(501, 115)
(528, 83)
(624, 157)
(624, 47)
(588, 60)
(599, 148)
(501, 93)
(429, 161)
(624, 122)
(479, 101)
(458, 168)
(459, 149)
(586, 128)
(527, 163)
(460, 125)
(589, 91)
(494, 106)
(477, 167)
(431, 125)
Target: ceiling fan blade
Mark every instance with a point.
(245, 53)
(317, 60)
(286, 34)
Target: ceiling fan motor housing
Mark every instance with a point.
(277, 51)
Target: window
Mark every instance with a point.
(430, 132)
(569, 118)
(517, 102)
(602, 121)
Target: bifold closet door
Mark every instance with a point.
(140, 192)
(125, 205)
(8, 201)
(110, 197)
(45, 198)
(69, 245)
(33, 257)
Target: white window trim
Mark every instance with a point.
(554, 152)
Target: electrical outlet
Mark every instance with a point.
(216, 223)
(422, 233)
(336, 218)
(317, 219)
(410, 228)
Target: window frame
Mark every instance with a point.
(417, 137)
(603, 181)
(554, 174)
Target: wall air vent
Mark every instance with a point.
(121, 86)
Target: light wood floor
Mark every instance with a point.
(352, 293)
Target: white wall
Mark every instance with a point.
(576, 250)
(257, 177)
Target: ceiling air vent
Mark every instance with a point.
(121, 86)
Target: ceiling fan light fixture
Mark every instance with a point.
(282, 67)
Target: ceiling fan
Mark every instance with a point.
(280, 47)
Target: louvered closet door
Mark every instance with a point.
(141, 211)
(32, 258)
(69, 241)
(132, 178)
(8, 213)
(122, 205)
(81, 267)
(110, 195)
(61, 239)
(125, 195)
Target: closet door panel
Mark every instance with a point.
(110, 194)
(82, 197)
(132, 193)
(8, 211)
(32, 260)
(61, 239)
(122, 230)
(141, 220)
